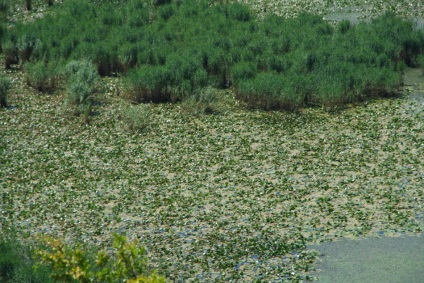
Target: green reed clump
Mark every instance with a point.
(137, 118)
(149, 84)
(9, 49)
(171, 49)
(43, 77)
(271, 91)
(81, 86)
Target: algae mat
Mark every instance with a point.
(372, 260)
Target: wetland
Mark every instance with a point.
(235, 196)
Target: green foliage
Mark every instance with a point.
(269, 91)
(81, 86)
(203, 101)
(127, 262)
(16, 263)
(420, 61)
(41, 76)
(26, 44)
(10, 52)
(149, 84)
(172, 49)
(4, 89)
(4, 6)
(137, 118)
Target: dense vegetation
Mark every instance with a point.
(215, 198)
(53, 261)
(170, 50)
(17, 263)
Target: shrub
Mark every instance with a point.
(81, 86)
(420, 60)
(344, 26)
(4, 7)
(137, 118)
(17, 261)
(127, 262)
(4, 89)
(127, 56)
(41, 76)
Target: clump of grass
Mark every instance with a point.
(149, 84)
(204, 101)
(42, 77)
(137, 118)
(4, 89)
(81, 86)
(26, 44)
(10, 52)
(269, 91)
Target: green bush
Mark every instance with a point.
(17, 263)
(126, 262)
(43, 77)
(4, 89)
(137, 118)
(81, 86)
(4, 7)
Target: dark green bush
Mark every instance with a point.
(4, 89)
(344, 26)
(243, 71)
(4, 7)
(17, 264)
